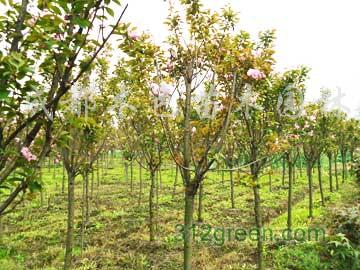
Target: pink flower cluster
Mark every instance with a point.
(161, 90)
(256, 74)
(133, 35)
(25, 151)
(57, 159)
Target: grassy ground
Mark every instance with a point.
(33, 236)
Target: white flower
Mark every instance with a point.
(193, 130)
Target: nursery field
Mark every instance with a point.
(116, 236)
(177, 134)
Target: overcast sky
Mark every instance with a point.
(321, 34)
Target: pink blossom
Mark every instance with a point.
(161, 90)
(133, 35)
(255, 74)
(257, 53)
(169, 66)
(57, 37)
(25, 151)
(32, 21)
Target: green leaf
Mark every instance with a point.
(110, 11)
(4, 94)
(55, 9)
(35, 186)
(81, 22)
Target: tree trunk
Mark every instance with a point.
(126, 173)
(160, 177)
(290, 193)
(232, 190)
(188, 223)
(320, 182)
(70, 222)
(309, 173)
(336, 171)
(151, 206)
(63, 179)
(330, 172)
(97, 173)
(344, 167)
(283, 171)
(258, 221)
(141, 185)
(131, 177)
(270, 180)
(87, 207)
(175, 181)
(201, 190)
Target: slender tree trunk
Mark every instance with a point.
(175, 181)
(283, 171)
(70, 222)
(222, 177)
(320, 181)
(131, 177)
(336, 171)
(41, 191)
(157, 198)
(232, 189)
(300, 166)
(270, 181)
(344, 167)
(126, 172)
(290, 195)
(92, 184)
(188, 224)
(83, 203)
(258, 221)
(309, 173)
(97, 173)
(200, 207)
(141, 185)
(87, 206)
(330, 172)
(63, 179)
(160, 177)
(151, 206)
(54, 177)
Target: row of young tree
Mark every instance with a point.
(211, 99)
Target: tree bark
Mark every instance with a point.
(200, 207)
(258, 221)
(232, 190)
(151, 206)
(70, 222)
(141, 185)
(309, 174)
(188, 223)
(175, 181)
(283, 171)
(320, 181)
(290, 195)
(336, 171)
(330, 172)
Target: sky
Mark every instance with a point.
(320, 34)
